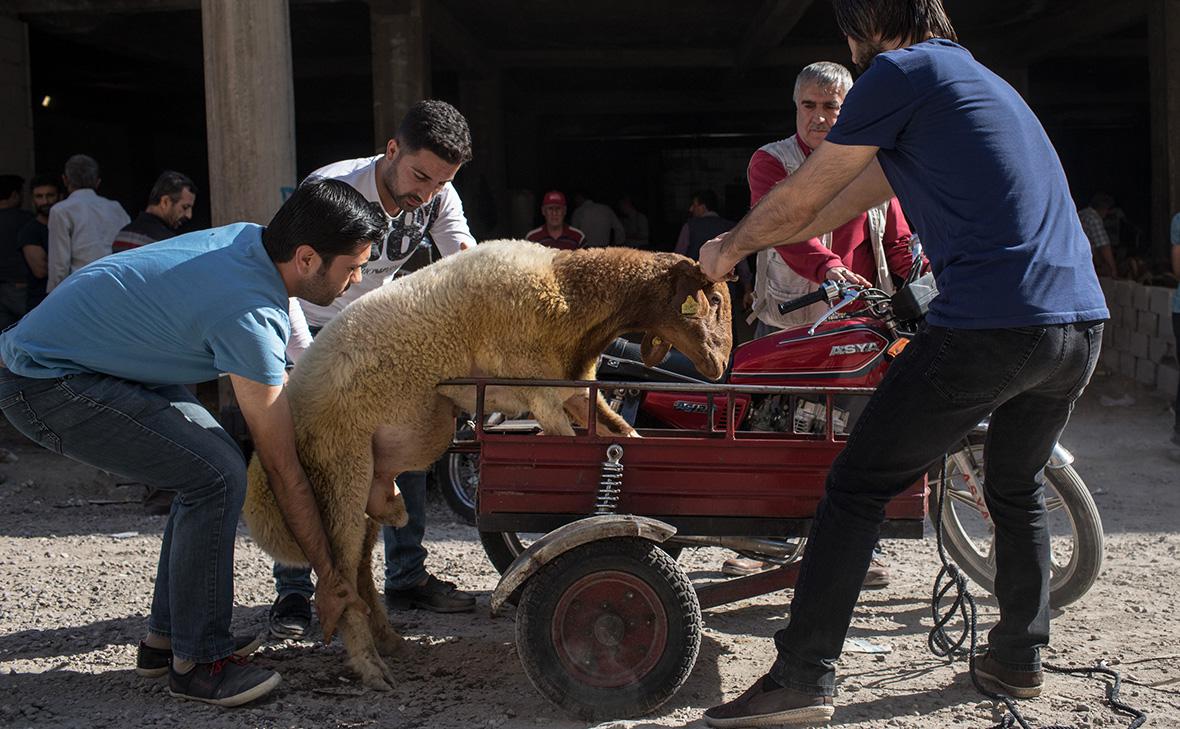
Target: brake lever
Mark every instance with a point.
(849, 297)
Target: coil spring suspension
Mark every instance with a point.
(610, 485)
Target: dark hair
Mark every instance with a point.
(439, 127)
(44, 181)
(82, 171)
(10, 184)
(172, 184)
(911, 21)
(708, 198)
(328, 215)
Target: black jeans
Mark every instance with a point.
(943, 384)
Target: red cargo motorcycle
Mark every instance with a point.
(842, 350)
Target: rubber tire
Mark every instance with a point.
(502, 548)
(446, 473)
(534, 623)
(1078, 576)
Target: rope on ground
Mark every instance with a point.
(950, 577)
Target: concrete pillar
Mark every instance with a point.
(1164, 63)
(485, 179)
(401, 63)
(249, 108)
(16, 109)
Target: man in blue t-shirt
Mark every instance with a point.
(1014, 332)
(95, 373)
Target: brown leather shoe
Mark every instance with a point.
(998, 677)
(776, 707)
(877, 576)
(741, 566)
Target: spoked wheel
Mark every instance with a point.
(1075, 527)
(457, 476)
(610, 629)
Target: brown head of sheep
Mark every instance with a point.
(368, 405)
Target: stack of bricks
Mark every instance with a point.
(1138, 341)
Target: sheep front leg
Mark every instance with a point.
(387, 640)
(609, 422)
(550, 413)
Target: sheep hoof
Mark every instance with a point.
(374, 674)
(390, 644)
(634, 434)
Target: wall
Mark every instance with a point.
(1138, 341)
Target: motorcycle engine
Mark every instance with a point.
(776, 413)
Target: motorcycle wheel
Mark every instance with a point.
(1074, 524)
(504, 547)
(457, 476)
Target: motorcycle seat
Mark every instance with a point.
(623, 362)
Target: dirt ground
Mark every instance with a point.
(77, 559)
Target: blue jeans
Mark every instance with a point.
(943, 384)
(405, 557)
(160, 436)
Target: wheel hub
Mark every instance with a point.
(609, 629)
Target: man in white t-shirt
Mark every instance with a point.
(412, 182)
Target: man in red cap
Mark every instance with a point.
(555, 233)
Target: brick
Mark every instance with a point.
(1108, 288)
(1130, 318)
(1138, 345)
(1121, 338)
(1167, 378)
(1160, 300)
(1147, 322)
(1165, 328)
(1158, 349)
(1127, 364)
(1123, 293)
(1145, 371)
(1139, 296)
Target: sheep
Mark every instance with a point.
(367, 402)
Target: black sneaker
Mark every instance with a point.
(768, 704)
(1016, 683)
(231, 681)
(290, 616)
(154, 662)
(434, 595)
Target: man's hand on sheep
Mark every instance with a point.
(334, 595)
(715, 263)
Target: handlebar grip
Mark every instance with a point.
(814, 297)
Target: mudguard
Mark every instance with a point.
(564, 538)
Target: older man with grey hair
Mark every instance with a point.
(83, 226)
(868, 249)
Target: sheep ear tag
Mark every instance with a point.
(689, 307)
(653, 350)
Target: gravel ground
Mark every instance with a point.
(77, 559)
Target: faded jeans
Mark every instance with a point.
(943, 384)
(405, 557)
(160, 436)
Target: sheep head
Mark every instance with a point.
(691, 314)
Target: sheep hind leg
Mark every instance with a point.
(387, 640)
(355, 628)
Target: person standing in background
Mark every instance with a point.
(12, 265)
(170, 205)
(34, 237)
(82, 226)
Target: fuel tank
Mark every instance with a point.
(844, 353)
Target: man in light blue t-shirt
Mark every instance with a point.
(1014, 332)
(96, 371)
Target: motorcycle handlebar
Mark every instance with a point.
(820, 294)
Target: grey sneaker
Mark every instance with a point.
(290, 616)
(154, 662)
(231, 681)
